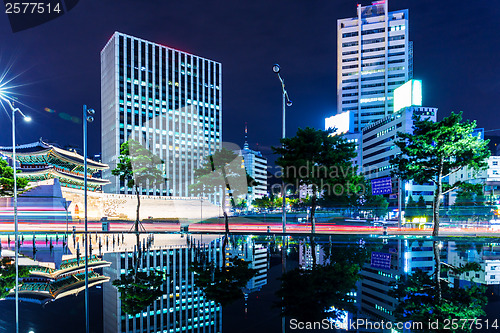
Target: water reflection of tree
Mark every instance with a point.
(139, 288)
(222, 284)
(429, 298)
(309, 295)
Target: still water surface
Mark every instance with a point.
(328, 279)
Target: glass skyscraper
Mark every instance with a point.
(169, 100)
(374, 57)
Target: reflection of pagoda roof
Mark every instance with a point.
(43, 292)
(42, 148)
(52, 171)
(68, 266)
(48, 284)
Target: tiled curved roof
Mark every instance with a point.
(42, 148)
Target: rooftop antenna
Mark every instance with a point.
(245, 146)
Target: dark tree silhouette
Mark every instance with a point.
(223, 285)
(309, 295)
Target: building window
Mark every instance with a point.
(372, 41)
(399, 37)
(349, 34)
(349, 44)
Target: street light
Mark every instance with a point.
(14, 167)
(286, 102)
(87, 118)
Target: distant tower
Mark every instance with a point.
(245, 145)
(256, 167)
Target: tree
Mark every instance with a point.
(224, 284)
(223, 171)
(262, 203)
(377, 205)
(8, 275)
(471, 204)
(422, 207)
(320, 160)
(138, 167)
(437, 149)
(411, 210)
(139, 289)
(309, 295)
(431, 298)
(7, 180)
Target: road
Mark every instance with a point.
(250, 226)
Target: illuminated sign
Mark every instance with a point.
(381, 186)
(380, 260)
(343, 122)
(408, 94)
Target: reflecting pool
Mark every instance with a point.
(159, 282)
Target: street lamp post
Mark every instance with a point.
(286, 102)
(87, 118)
(16, 229)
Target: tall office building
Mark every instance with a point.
(374, 57)
(169, 100)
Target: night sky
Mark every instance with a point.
(456, 51)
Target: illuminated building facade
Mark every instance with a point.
(41, 161)
(182, 308)
(374, 57)
(256, 167)
(378, 148)
(487, 256)
(488, 178)
(306, 255)
(258, 257)
(407, 256)
(344, 124)
(169, 100)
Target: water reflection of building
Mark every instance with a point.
(486, 255)
(306, 257)
(258, 256)
(182, 308)
(407, 256)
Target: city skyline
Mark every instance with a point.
(59, 61)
